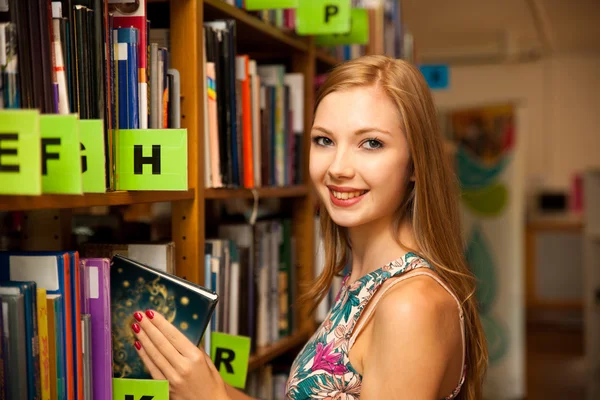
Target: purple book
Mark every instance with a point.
(98, 276)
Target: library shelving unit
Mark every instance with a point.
(262, 41)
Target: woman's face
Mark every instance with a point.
(358, 156)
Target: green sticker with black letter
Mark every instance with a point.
(230, 354)
(358, 33)
(61, 154)
(20, 169)
(140, 389)
(151, 159)
(252, 5)
(319, 17)
(91, 132)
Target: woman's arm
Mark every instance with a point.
(235, 394)
(416, 334)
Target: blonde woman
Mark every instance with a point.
(404, 324)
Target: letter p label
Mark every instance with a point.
(330, 11)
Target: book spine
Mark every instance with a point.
(43, 339)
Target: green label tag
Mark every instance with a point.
(91, 133)
(61, 154)
(20, 168)
(358, 34)
(270, 4)
(140, 389)
(318, 17)
(151, 159)
(230, 354)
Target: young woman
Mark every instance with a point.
(404, 324)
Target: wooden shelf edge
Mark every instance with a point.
(241, 16)
(264, 192)
(57, 201)
(265, 354)
(326, 59)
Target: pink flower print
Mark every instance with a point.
(328, 361)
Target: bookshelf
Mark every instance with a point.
(265, 43)
(188, 217)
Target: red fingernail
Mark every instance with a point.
(138, 345)
(138, 316)
(150, 314)
(136, 328)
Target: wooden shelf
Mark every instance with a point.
(253, 34)
(325, 62)
(265, 354)
(55, 201)
(265, 192)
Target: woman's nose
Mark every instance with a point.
(342, 166)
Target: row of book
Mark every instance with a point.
(254, 268)
(59, 321)
(91, 58)
(46, 316)
(255, 116)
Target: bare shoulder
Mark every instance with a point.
(417, 299)
(416, 325)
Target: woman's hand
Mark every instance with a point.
(169, 355)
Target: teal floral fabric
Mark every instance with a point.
(322, 370)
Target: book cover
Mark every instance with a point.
(138, 287)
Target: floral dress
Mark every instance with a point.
(322, 370)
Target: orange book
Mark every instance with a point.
(242, 72)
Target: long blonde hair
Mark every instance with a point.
(430, 204)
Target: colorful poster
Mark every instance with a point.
(492, 209)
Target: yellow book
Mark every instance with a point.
(42, 311)
(52, 349)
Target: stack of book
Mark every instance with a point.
(255, 116)
(91, 58)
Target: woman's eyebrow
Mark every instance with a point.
(360, 131)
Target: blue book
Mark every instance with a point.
(29, 290)
(128, 41)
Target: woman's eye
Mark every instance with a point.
(373, 144)
(322, 141)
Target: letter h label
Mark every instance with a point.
(139, 160)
